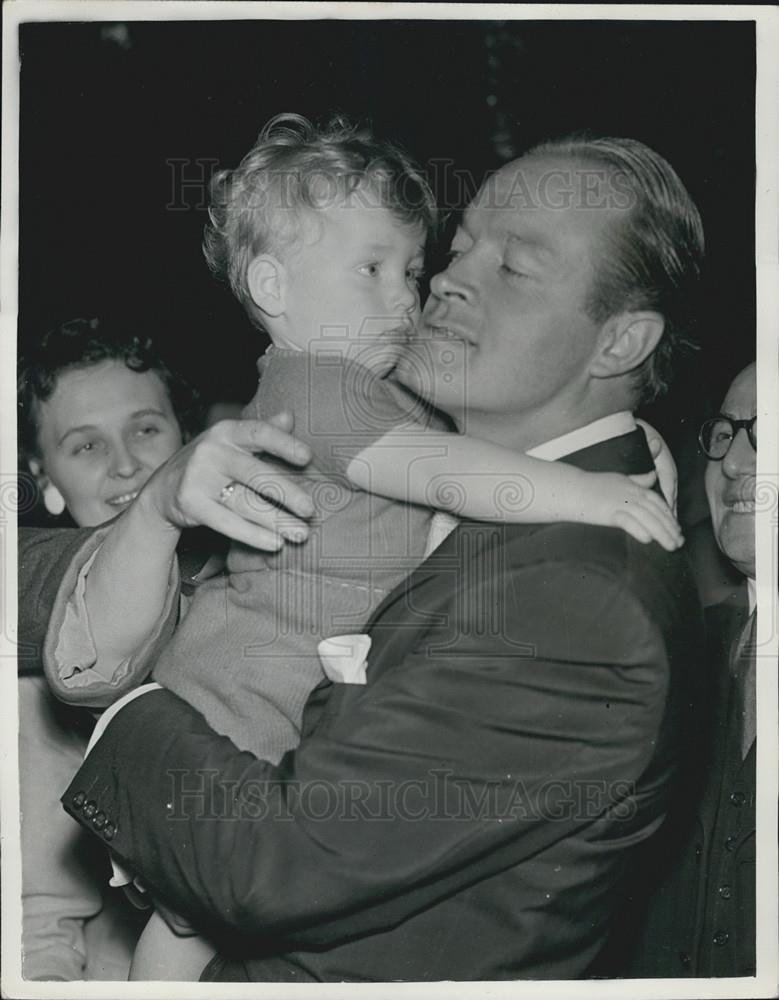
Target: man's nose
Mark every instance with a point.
(740, 459)
(124, 462)
(451, 284)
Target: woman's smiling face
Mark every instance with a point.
(101, 434)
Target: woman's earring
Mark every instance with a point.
(53, 500)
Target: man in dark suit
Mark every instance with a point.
(471, 811)
(701, 917)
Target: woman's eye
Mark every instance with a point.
(454, 254)
(370, 269)
(85, 448)
(148, 431)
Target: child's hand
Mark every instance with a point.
(628, 502)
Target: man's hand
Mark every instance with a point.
(221, 480)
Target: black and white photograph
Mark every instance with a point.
(491, 290)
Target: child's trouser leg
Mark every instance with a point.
(161, 954)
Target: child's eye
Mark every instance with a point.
(371, 270)
(415, 274)
(453, 254)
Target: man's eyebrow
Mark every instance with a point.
(149, 411)
(527, 241)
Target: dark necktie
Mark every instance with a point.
(744, 674)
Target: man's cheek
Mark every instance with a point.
(712, 482)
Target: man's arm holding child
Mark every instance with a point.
(314, 880)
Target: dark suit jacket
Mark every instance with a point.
(700, 919)
(471, 812)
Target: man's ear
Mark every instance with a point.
(53, 500)
(626, 341)
(266, 278)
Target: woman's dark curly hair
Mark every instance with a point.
(81, 343)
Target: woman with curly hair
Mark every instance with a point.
(99, 411)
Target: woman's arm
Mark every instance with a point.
(127, 583)
(483, 481)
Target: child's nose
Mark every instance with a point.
(406, 298)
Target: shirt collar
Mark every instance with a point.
(603, 429)
(751, 594)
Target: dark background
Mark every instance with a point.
(114, 116)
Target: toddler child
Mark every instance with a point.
(322, 234)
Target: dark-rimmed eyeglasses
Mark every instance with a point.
(718, 434)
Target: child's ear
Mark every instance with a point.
(266, 278)
(626, 341)
(53, 500)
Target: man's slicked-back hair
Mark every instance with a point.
(653, 256)
(83, 343)
(296, 166)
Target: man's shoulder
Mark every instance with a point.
(527, 544)
(603, 558)
(570, 542)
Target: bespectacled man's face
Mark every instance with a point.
(505, 335)
(730, 483)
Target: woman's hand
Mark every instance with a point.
(222, 480)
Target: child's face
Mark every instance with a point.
(355, 279)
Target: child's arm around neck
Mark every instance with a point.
(470, 477)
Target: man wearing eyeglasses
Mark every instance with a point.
(701, 920)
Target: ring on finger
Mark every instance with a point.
(226, 492)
